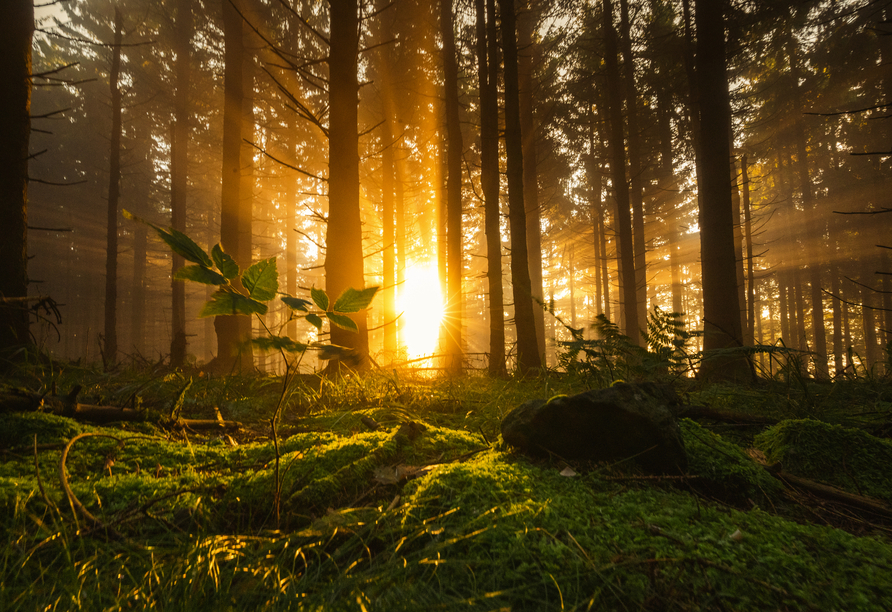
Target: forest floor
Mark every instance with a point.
(431, 511)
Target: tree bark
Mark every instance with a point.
(487, 65)
(526, 81)
(179, 171)
(752, 295)
(721, 307)
(110, 348)
(343, 240)
(636, 191)
(227, 327)
(15, 124)
(452, 315)
(629, 303)
(528, 355)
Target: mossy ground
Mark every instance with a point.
(479, 527)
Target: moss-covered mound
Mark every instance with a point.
(724, 471)
(474, 530)
(850, 459)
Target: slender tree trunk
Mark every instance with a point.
(636, 191)
(343, 255)
(227, 327)
(738, 243)
(620, 187)
(815, 232)
(487, 63)
(753, 309)
(290, 197)
(110, 349)
(669, 201)
(389, 229)
(179, 171)
(721, 307)
(528, 355)
(454, 302)
(528, 50)
(140, 239)
(837, 320)
(15, 124)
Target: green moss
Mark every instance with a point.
(847, 458)
(724, 470)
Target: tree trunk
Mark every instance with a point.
(110, 348)
(528, 355)
(721, 307)
(343, 255)
(525, 26)
(814, 232)
(452, 315)
(738, 241)
(752, 311)
(487, 65)
(15, 124)
(179, 170)
(227, 327)
(620, 187)
(636, 192)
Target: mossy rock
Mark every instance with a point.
(725, 471)
(850, 459)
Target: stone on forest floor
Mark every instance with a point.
(621, 422)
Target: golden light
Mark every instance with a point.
(421, 303)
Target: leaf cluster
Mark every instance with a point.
(256, 286)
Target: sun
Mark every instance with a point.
(421, 303)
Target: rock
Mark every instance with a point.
(620, 422)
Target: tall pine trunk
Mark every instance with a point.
(526, 81)
(227, 327)
(179, 171)
(629, 302)
(16, 31)
(110, 348)
(528, 355)
(453, 311)
(487, 64)
(343, 240)
(721, 307)
(636, 190)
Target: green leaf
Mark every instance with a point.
(262, 280)
(224, 262)
(179, 242)
(277, 343)
(342, 321)
(295, 303)
(333, 351)
(320, 298)
(230, 303)
(353, 300)
(315, 321)
(199, 274)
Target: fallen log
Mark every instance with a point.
(834, 494)
(704, 412)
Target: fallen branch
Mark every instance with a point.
(832, 493)
(76, 504)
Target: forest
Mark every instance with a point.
(334, 304)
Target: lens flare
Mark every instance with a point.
(421, 303)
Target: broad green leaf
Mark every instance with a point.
(179, 242)
(224, 262)
(353, 300)
(199, 274)
(262, 280)
(315, 321)
(333, 351)
(342, 321)
(320, 298)
(296, 303)
(276, 343)
(230, 303)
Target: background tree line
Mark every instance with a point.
(585, 157)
